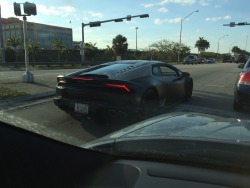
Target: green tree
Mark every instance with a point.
(202, 44)
(10, 54)
(33, 48)
(14, 42)
(119, 46)
(109, 52)
(66, 50)
(90, 50)
(56, 44)
(168, 50)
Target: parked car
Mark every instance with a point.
(227, 58)
(123, 87)
(211, 60)
(202, 60)
(242, 87)
(241, 59)
(191, 59)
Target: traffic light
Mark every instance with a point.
(118, 20)
(144, 16)
(94, 24)
(29, 8)
(128, 17)
(17, 9)
(232, 24)
(242, 23)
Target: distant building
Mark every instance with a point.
(41, 33)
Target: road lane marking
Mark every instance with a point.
(210, 85)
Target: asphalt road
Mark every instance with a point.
(213, 93)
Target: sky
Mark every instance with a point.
(164, 21)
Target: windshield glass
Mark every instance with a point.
(94, 71)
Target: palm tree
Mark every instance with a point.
(90, 50)
(120, 46)
(14, 42)
(33, 48)
(202, 44)
(56, 44)
(66, 50)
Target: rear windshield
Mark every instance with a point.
(119, 67)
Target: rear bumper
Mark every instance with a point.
(68, 106)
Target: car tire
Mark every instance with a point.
(149, 104)
(189, 90)
(237, 106)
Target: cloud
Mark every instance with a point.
(55, 11)
(96, 14)
(148, 5)
(203, 3)
(182, 2)
(217, 6)
(215, 19)
(163, 9)
(174, 20)
(5, 9)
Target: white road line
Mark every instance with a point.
(210, 85)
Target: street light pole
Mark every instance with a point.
(183, 19)
(246, 43)
(219, 44)
(82, 45)
(136, 38)
(136, 41)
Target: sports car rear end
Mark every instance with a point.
(98, 89)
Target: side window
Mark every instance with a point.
(156, 71)
(167, 71)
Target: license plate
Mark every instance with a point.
(82, 108)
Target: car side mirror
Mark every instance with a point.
(241, 66)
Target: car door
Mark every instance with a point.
(173, 83)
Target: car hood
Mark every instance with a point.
(183, 126)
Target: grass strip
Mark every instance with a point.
(7, 93)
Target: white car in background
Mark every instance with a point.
(211, 60)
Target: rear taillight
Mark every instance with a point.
(122, 86)
(244, 79)
(60, 78)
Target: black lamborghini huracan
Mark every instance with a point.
(123, 87)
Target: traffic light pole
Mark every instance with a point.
(28, 9)
(98, 23)
(233, 24)
(27, 76)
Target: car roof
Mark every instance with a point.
(115, 68)
(136, 63)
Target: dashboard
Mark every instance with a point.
(31, 160)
